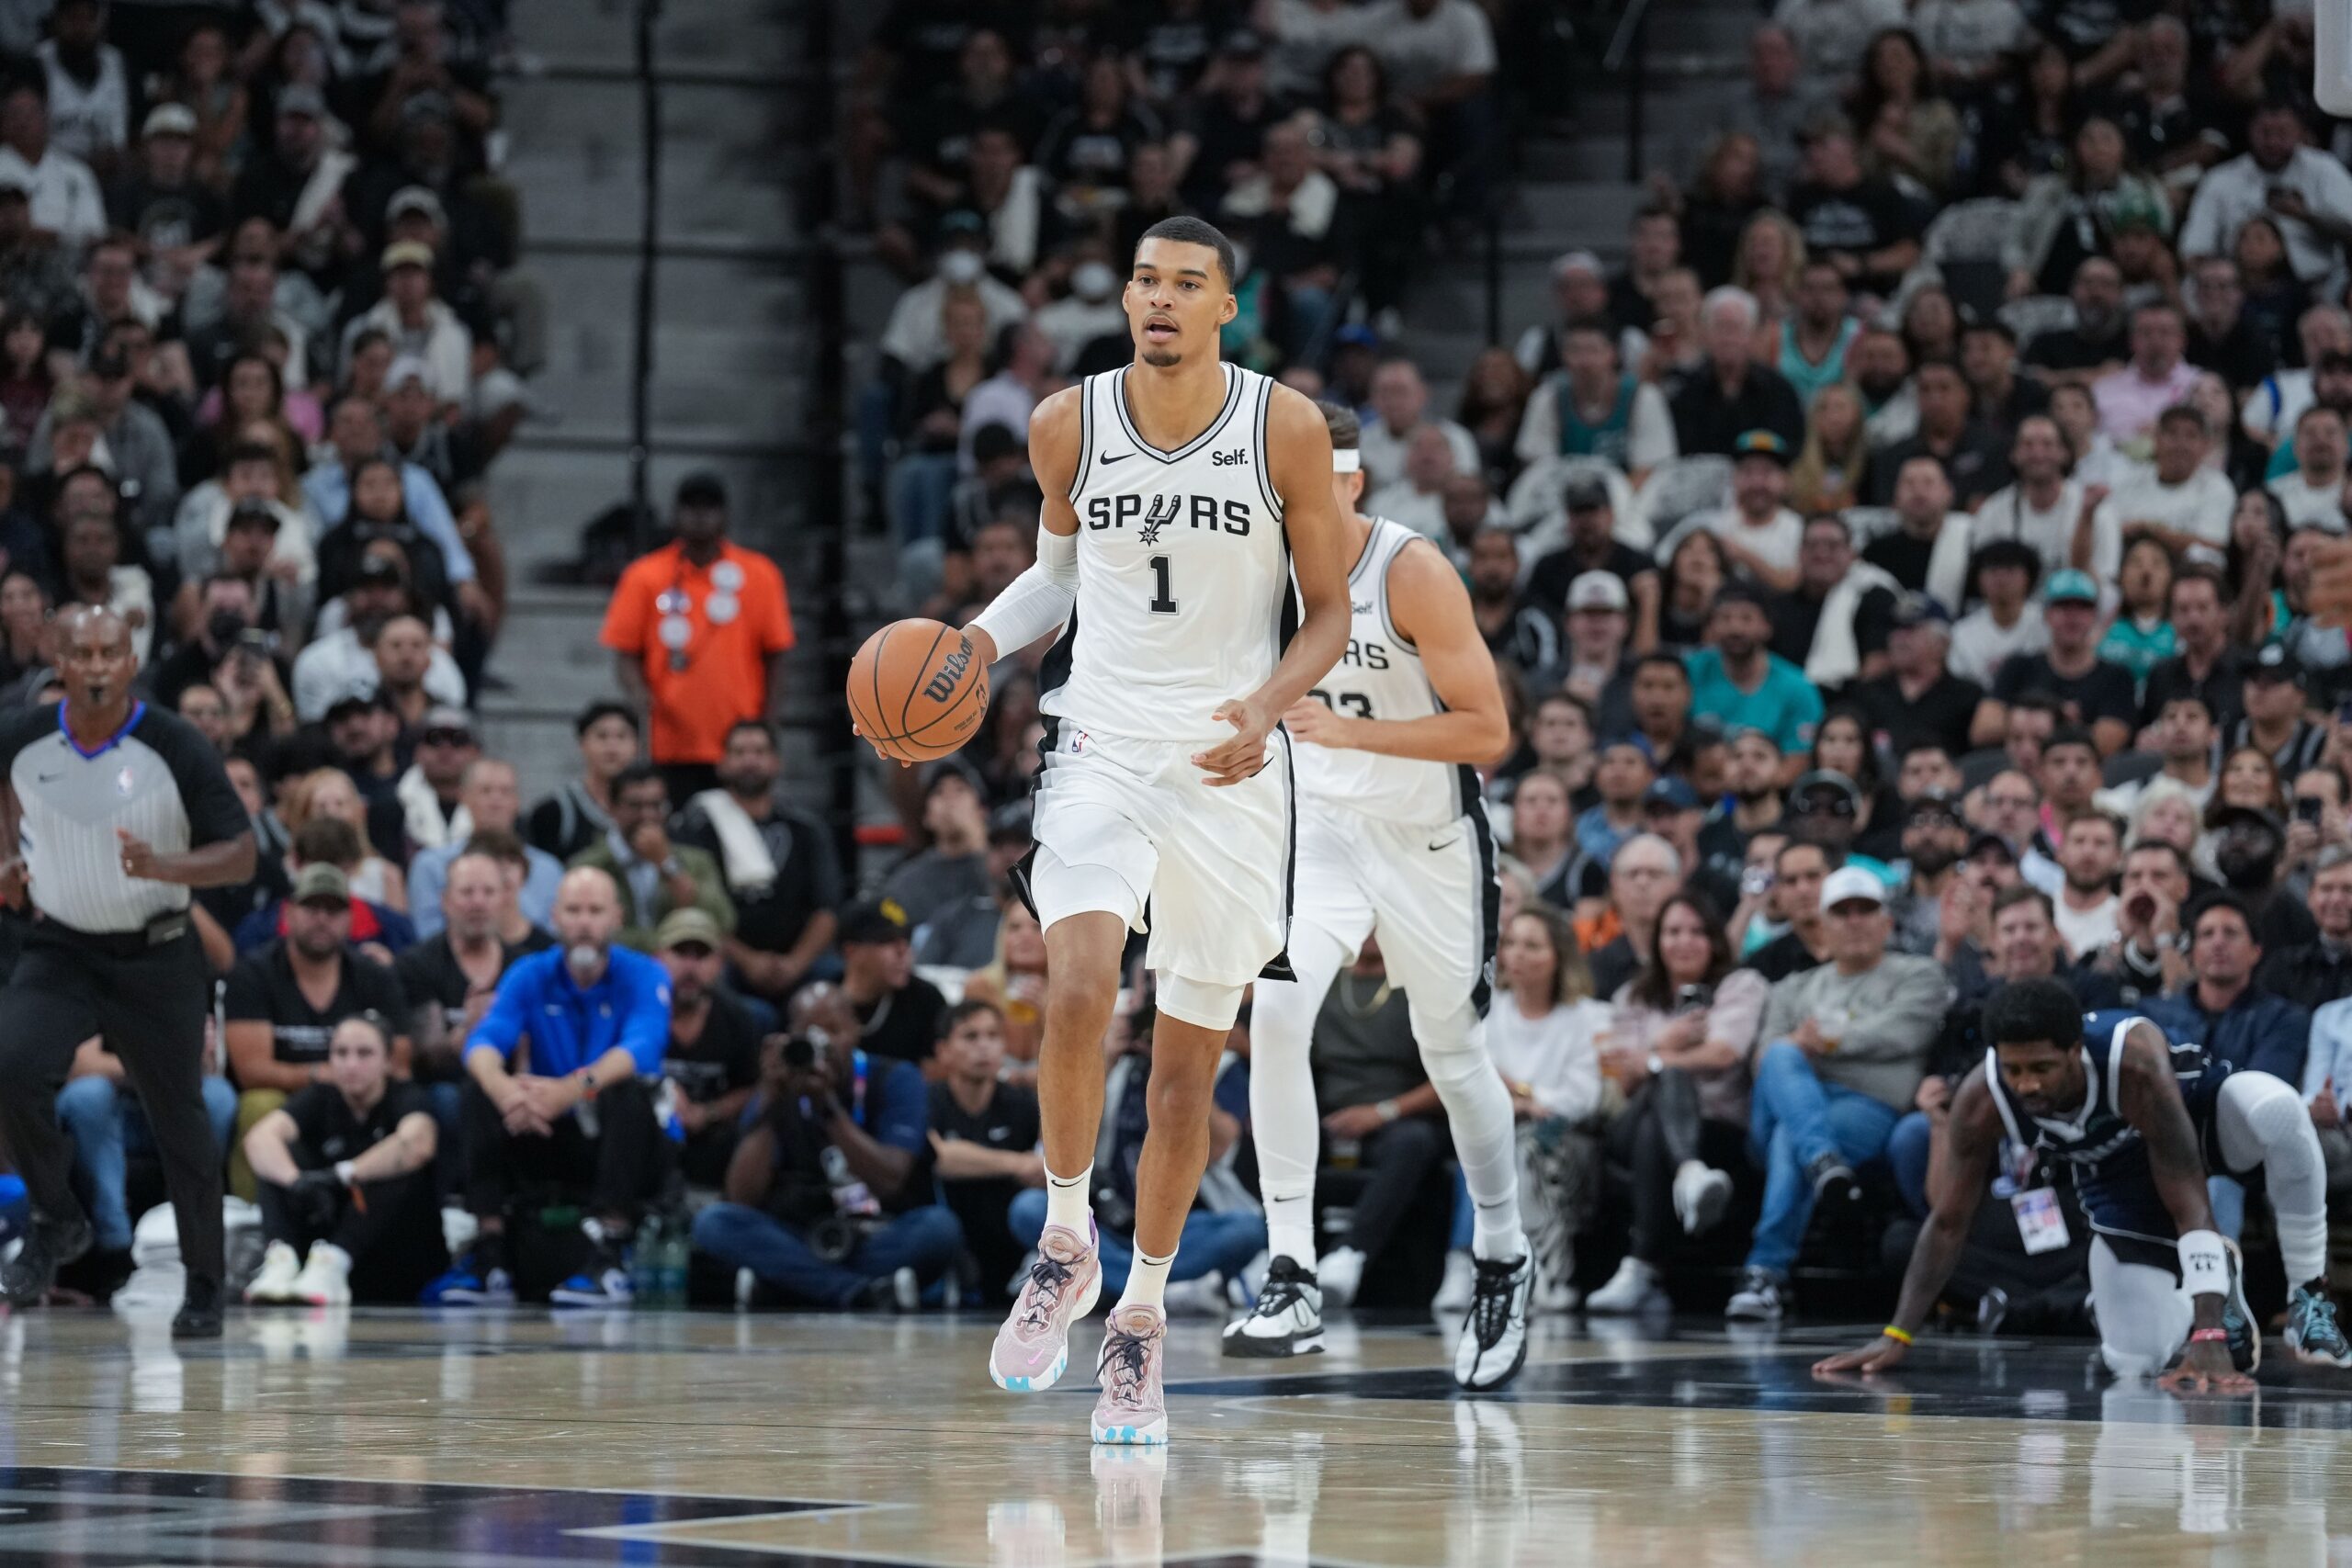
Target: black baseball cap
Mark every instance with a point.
(1584, 493)
(1935, 803)
(873, 921)
(2275, 663)
(1983, 840)
(703, 489)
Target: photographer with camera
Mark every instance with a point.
(345, 1172)
(829, 1200)
(234, 656)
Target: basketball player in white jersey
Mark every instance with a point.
(1392, 837)
(1182, 493)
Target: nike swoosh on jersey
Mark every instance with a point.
(1120, 458)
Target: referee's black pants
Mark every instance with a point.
(148, 1003)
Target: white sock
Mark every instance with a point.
(1283, 1119)
(1290, 1227)
(1069, 1202)
(1495, 1234)
(1148, 1282)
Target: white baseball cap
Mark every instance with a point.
(1851, 881)
(1597, 591)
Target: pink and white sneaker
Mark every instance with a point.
(1032, 1349)
(1133, 1406)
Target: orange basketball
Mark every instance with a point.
(918, 690)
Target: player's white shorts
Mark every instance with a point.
(1431, 892)
(1212, 862)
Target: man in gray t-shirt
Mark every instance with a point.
(1836, 1064)
(952, 874)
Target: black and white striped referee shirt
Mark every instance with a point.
(158, 778)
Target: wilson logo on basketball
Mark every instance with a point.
(941, 686)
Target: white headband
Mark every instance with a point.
(1346, 460)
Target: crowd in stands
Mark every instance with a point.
(1902, 570)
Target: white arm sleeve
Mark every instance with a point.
(1039, 600)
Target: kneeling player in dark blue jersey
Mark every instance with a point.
(2135, 1121)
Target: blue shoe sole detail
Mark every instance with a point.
(1127, 1437)
(1037, 1384)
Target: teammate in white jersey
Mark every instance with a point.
(1392, 837)
(1181, 495)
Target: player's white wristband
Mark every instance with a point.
(1039, 600)
(2204, 1264)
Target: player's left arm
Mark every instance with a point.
(1432, 610)
(1298, 462)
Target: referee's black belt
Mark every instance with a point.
(164, 927)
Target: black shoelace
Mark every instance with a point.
(1490, 1301)
(1047, 1279)
(1125, 1357)
(1285, 1289)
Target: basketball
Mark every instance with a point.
(917, 690)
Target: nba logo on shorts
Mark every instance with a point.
(124, 780)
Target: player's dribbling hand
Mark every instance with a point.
(1239, 759)
(2205, 1368)
(1879, 1355)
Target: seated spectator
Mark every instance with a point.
(897, 1011)
(2312, 493)
(92, 555)
(346, 1178)
(1593, 407)
(449, 979)
(1544, 1035)
(361, 792)
(2091, 851)
(580, 814)
(953, 870)
(778, 865)
(282, 1005)
(2314, 973)
(1678, 1043)
(713, 1057)
(342, 659)
(1739, 682)
(2178, 499)
(319, 840)
(1518, 632)
(1974, 456)
(2305, 189)
(2325, 1064)
(1930, 915)
(2007, 623)
(1863, 226)
(487, 801)
(1988, 357)
(431, 792)
(2208, 664)
(2091, 693)
(2274, 705)
(175, 215)
(248, 480)
(1927, 550)
(1374, 1096)
(1595, 663)
(230, 654)
(652, 874)
(857, 1230)
(1592, 546)
(1837, 1063)
(1919, 701)
(1833, 466)
(420, 326)
(1417, 498)
(1798, 939)
(2219, 1005)
(2247, 843)
(101, 1113)
(356, 433)
(1400, 402)
(597, 1019)
(2147, 961)
(985, 1136)
(1760, 535)
(1833, 623)
(1733, 394)
(1643, 873)
(1014, 981)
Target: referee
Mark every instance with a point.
(116, 810)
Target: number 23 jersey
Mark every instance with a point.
(1183, 572)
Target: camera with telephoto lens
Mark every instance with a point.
(805, 1052)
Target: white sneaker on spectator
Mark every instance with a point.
(274, 1285)
(1461, 1281)
(326, 1277)
(1701, 1195)
(747, 1286)
(1339, 1272)
(1632, 1289)
(1759, 1298)
(1204, 1297)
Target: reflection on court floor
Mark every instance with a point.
(400, 1441)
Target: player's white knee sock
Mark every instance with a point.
(2262, 1122)
(1282, 1090)
(1070, 1200)
(1477, 1108)
(1148, 1282)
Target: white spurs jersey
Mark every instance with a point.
(1183, 572)
(1380, 677)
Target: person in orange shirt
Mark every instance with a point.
(699, 631)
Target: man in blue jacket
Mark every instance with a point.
(557, 1092)
(2222, 1009)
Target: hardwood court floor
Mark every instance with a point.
(407, 1440)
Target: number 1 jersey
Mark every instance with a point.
(1183, 572)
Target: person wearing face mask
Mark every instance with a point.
(598, 1019)
(1079, 322)
(911, 336)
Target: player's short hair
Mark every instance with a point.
(2025, 1011)
(1347, 431)
(1194, 231)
